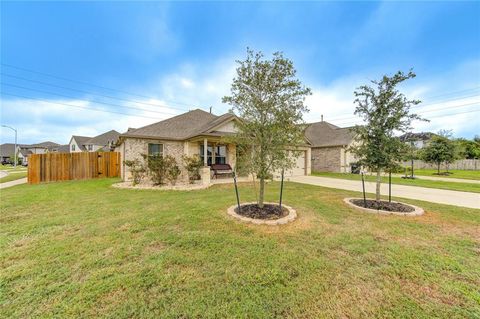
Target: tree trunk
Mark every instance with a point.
(438, 168)
(261, 192)
(379, 181)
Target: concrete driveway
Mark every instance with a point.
(464, 199)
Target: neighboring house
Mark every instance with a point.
(24, 150)
(7, 151)
(329, 147)
(61, 149)
(419, 140)
(195, 132)
(103, 142)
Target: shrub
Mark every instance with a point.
(137, 169)
(173, 173)
(162, 168)
(192, 165)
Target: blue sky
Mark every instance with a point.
(152, 60)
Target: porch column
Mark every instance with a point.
(205, 152)
(214, 146)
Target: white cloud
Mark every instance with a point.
(53, 120)
(202, 86)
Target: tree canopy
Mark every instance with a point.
(386, 112)
(269, 101)
(439, 150)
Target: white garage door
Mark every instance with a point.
(299, 168)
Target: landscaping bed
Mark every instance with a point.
(383, 205)
(149, 185)
(269, 211)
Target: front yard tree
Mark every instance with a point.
(440, 150)
(385, 111)
(269, 101)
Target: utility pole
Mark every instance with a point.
(15, 149)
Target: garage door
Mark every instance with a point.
(299, 168)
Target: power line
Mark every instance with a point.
(86, 83)
(415, 106)
(78, 106)
(420, 113)
(91, 93)
(91, 101)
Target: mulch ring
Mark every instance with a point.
(268, 212)
(384, 205)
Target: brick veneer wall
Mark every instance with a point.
(327, 159)
(133, 148)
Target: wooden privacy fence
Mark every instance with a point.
(53, 167)
(464, 164)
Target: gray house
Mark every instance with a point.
(329, 147)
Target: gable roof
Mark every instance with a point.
(48, 145)
(80, 139)
(323, 134)
(181, 127)
(104, 138)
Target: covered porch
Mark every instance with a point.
(212, 150)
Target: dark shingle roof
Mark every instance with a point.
(62, 148)
(180, 127)
(104, 138)
(81, 141)
(46, 144)
(422, 136)
(7, 149)
(322, 134)
(25, 152)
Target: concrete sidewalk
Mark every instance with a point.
(13, 183)
(443, 179)
(464, 199)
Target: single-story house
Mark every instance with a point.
(195, 132)
(329, 147)
(103, 142)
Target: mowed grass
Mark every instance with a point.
(454, 173)
(85, 249)
(12, 176)
(454, 186)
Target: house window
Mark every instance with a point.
(90, 147)
(155, 149)
(73, 147)
(220, 154)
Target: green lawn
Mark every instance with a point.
(84, 249)
(13, 173)
(465, 187)
(13, 176)
(454, 173)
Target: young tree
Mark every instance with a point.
(439, 150)
(269, 101)
(386, 111)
